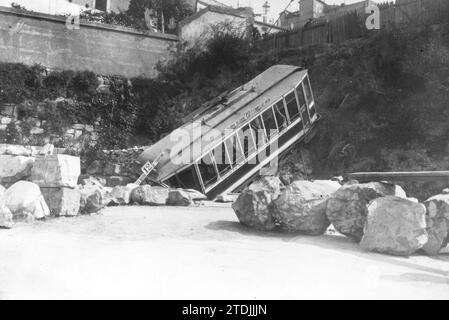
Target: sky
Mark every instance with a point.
(277, 6)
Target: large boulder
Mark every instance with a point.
(437, 223)
(62, 201)
(26, 201)
(150, 196)
(301, 207)
(93, 199)
(252, 207)
(56, 171)
(179, 198)
(395, 226)
(15, 168)
(347, 208)
(121, 196)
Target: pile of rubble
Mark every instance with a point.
(36, 184)
(379, 216)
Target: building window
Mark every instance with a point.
(101, 5)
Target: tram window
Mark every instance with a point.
(292, 106)
(207, 170)
(222, 160)
(308, 90)
(259, 131)
(312, 111)
(305, 117)
(281, 115)
(301, 98)
(246, 140)
(235, 153)
(188, 178)
(270, 123)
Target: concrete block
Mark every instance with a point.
(62, 202)
(56, 171)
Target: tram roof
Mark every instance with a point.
(215, 118)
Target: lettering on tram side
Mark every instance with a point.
(250, 114)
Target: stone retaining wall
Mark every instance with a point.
(36, 38)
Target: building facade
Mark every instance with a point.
(198, 26)
(104, 5)
(308, 11)
(338, 11)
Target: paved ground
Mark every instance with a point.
(199, 253)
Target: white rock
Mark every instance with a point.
(150, 196)
(347, 208)
(301, 207)
(122, 195)
(15, 168)
(395, 226)
(26, 201)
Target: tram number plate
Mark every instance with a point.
(147, 168)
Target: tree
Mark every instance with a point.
(165, 11)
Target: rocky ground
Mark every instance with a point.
(200, 253)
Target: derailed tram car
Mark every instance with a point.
(229, 140)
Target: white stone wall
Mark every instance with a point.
(202, 26)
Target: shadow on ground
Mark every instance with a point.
(340, 243)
